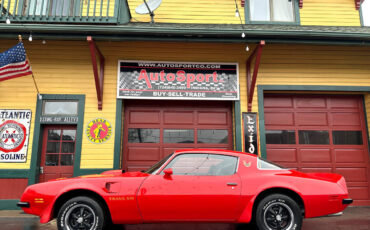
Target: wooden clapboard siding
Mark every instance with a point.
(65, 68)
(201, 11)
(314, 12)
(329, 13)
(313, 65)
(18, 93)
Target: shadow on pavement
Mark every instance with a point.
(357, 218)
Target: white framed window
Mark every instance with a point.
(365, 12)
(272, 11)
(59, 107)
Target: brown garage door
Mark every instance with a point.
(320, 133)
(154, 129)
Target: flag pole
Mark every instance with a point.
(33, 77)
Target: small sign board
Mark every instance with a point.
(250, 133)
(177, 80)
(14, 134)
(99, 130)
(58, 119)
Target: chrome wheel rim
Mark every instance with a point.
(278, 216)
(80, 217)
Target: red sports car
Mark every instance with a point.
(190, 186)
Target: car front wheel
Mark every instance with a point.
(83, 213)
(278, 212)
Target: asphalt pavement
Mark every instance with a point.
(353, 218)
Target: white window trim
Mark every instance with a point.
(365, 7)
(295, 11)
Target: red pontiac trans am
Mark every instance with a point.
(190, 186)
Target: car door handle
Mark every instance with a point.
(232, 184)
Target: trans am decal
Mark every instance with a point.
(99, 130)
(14, 135)
(176, 80)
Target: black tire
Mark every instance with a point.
(82, 213)
(278, 211)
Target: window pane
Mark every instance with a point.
(143, 135)
(51, 159)
(259, 10)
(203, 165)
(347, 137)
(365, 8)
(219, 136)
(54, 135)
(280, 137)
(187, 164)
(313, 137)
(52, 147)
(39, 5)
(282, 11)
(178, 136)
(264, 164)
(69, 135)
(66, 159)
(60, 108)
(220, 165)
(68, 147)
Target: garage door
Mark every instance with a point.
(320, 133)
(154, 129)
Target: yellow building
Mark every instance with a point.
(120, 92)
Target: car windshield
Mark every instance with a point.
(265, 164)
(157, 165)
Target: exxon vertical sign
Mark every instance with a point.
(175, 80)
(250, 133)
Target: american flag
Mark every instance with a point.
(13, 63)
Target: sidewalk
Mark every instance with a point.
(15, 214)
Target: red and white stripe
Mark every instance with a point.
(14, 70)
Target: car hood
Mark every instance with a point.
(107, 174)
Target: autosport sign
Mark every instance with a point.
(176, 80)
(14, 135)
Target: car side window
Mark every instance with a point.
(203, 165)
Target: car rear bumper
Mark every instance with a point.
(347, 201)
(23, 204)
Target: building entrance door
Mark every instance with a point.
(58, 151)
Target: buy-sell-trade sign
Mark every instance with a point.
(177, 80)
(14, 134)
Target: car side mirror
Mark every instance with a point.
(168, 172)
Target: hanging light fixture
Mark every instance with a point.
(237, 13)
(247, 48)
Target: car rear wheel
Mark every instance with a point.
(278, 212)
(82, 213)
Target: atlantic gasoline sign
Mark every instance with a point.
(99, 130)
(14, 135)
(176, 80)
